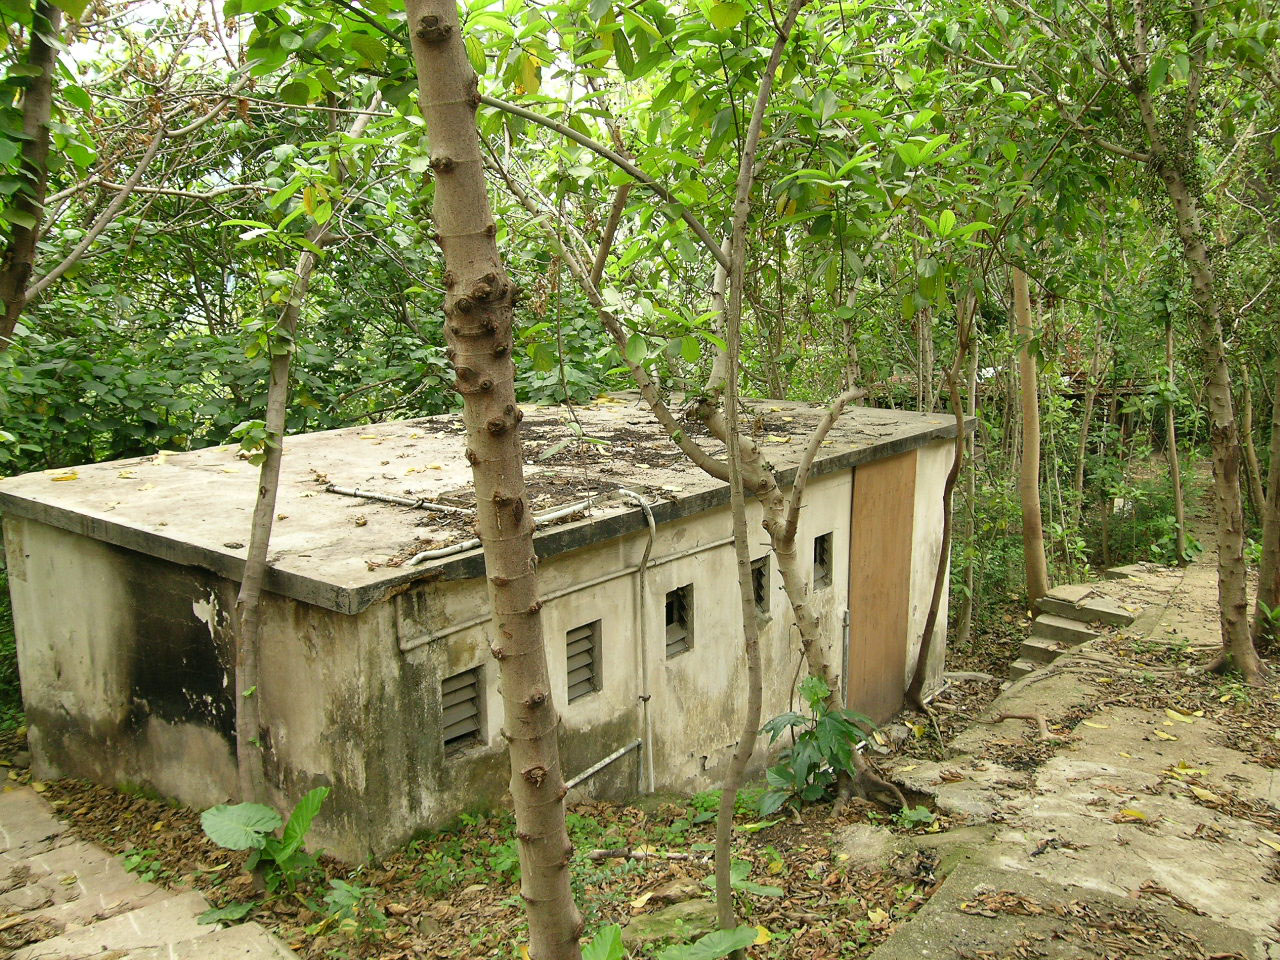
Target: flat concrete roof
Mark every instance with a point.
(345, 553)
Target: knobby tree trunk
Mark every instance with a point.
(1029, 465)
(19, 257)
(478, 328)
(1171, 442)
(1269, 569)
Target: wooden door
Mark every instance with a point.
(883, 516)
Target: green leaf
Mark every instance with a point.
(725, 16)
(1157, 73)
(295, 831)
(296, 92)
(475, 53)
(9, 151)
(606, 945)
(598, 8)
(637, 348)
(77, 97)
(243, 826)
(946, 223)
(72, 8)
(713, 946)
(232, 911)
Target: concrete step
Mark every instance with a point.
(1087, 610)
(1040, 651)
(74, 885)
(155, 925)
(996, 912)
(27, 824)
(1020, 668)
(1071, 632)
(245, 941)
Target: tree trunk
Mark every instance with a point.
(1237, 645)
(1029, 473)
(478, 328)
(915, 690)
(1171, 442)
(1269, 570)
(19, 256)
(249, 747)
(964, 619)
(1252, 467)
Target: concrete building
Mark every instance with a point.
(376, 678)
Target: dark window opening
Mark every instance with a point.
(460, 709)
(679, 621)
(822, 561)
(583, 660)
(760, 585)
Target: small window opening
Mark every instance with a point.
(679, 621)
(822, 561)
(583, 660)
(460, 707)
(760, 585)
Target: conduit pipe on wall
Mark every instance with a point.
(641, 618)
(595, 768)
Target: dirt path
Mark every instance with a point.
(64, 899)
(1151, 828)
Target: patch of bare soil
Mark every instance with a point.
(997, 634)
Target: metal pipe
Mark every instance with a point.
(421, 503)
(473, 543)
(641, 620)
(597, 767)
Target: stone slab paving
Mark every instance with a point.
(1099, 820)
(64, 899)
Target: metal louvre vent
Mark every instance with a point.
(679, 619)
(583, 660)
(760, 584)
(822, 560)
(460, 709)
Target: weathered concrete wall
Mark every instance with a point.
(126, 663)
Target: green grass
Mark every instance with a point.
(10, 694)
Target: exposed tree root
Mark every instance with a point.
(1037, 718)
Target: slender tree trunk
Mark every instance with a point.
(915, 690)
(968, 601)
(478, 328)
(1029, 465)
(19, 257)
(1253, 468)
(1171, 442)
(249, 747)
(1269, 569)
(1237, 645)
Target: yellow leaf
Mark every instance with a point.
(908, 768)
(762, 935)
(1206, 795)
(65, 476)
(1106, 680)
(309, 200)
(1175, 715)
(876, 915)
(641, 900)
(530, 74)
(129, 475)
(1165, 736)
(1126, 755)
(1097, 726)
(39, 787)
(1271, 843)
(1135, 814)
(524, 952)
